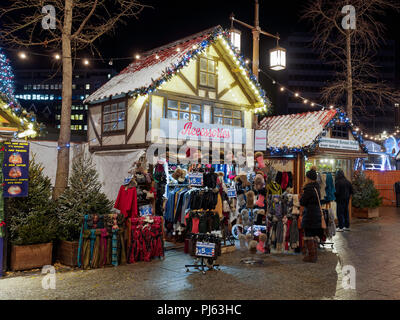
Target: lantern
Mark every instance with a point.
(235, 38)
(277, 58)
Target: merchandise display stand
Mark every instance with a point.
(201, 266)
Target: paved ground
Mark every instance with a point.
(372, 248)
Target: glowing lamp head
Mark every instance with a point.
(277, 58)
(235, 38)
(22, 55)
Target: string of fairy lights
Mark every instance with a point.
(242, 64)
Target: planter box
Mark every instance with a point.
(31, 256)
(67, 253)
(366, 213)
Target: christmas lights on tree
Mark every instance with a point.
(6, 76)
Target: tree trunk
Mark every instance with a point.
(349, 89)
(65, 128)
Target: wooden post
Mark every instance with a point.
(256, 40)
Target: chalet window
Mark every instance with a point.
(183, 111)
(227, 117)
(208, 72)
(114, 117)
(340, 131)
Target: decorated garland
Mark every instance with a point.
(194, 53)
(340, 116)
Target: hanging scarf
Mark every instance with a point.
(114, 259)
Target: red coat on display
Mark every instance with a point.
(127, 202)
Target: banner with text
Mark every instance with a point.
(339, 144)
(16, 169)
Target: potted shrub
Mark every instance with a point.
(366, 199)
(83, 196)
(32, 223)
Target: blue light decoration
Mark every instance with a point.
(340, 116)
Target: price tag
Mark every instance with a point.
(231, 193)
(204, 249)
(196, 179)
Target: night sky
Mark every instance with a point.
(170, 20)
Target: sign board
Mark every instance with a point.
(204, 249)
(16, 169)
(231, 193)
(192, 130)
(339, 144)
(260, 140)
(196, 179)
(146, 210)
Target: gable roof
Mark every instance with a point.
(296, 130)
(160, 64)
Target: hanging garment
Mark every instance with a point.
(322, 184)
(296, 204)
(278, 178)
(285, 181)
(294, 234)
(330, 188)
(126, 202)
(274, 188)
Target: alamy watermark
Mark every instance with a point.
(349, 20)
(49, 20)
(349, 277)
(49, 280)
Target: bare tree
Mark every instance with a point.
(352, 51)
(78, 24)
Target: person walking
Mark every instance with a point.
(343, 192)
(311, 218)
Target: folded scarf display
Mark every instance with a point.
(146, 239)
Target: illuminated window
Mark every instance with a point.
(114, 117)
(227, 117)
(183, 111)
(208, 72)
(87, 87)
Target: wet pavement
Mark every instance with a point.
(371, 248)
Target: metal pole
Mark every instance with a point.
(256, 40)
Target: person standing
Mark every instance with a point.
(343, 192)
(311, 218)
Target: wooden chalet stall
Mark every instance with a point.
(199, 80)
(324, 139)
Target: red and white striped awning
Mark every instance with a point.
(296, 130)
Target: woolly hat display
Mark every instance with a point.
(259, 156)
(177, 173)
(242, 176)
(249, 238)
(182, 176)
(259, 182)
(242, 239)
(261, 212)
(253, 246)
(262, 237)
(312, 175)
(250, 199)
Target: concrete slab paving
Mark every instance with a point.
(371, 248)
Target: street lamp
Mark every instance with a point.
(277, 55)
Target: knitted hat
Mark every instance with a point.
(312, 175)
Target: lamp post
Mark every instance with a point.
(277, 55)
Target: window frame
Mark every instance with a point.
(227, 117)
(190, 103)
(343, 130)
(215, 73)
(111, 102)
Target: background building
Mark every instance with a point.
(307, 74)
(39, 90)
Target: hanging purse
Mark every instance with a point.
(323, 223)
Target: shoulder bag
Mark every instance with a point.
(323, 223)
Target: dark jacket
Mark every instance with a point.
(343, 187)
(312, 212)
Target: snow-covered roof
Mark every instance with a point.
(150, 67)
(296, 130)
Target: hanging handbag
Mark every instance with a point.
(323, 223)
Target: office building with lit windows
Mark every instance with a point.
(39, 90)
(307, 75)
